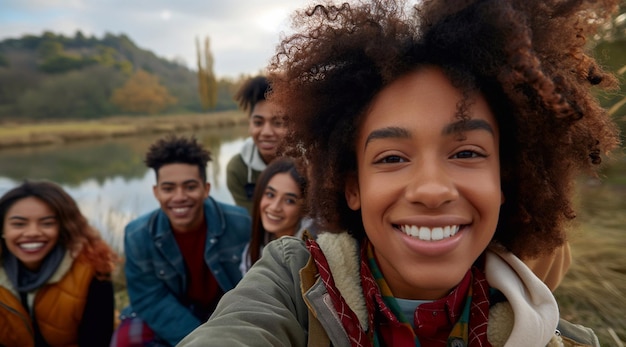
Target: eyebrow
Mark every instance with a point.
(17, 217)
(464, 125)
(386, 133)
(453, 128)
(183, 183)
(24, 218)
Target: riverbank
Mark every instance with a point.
(43, 133)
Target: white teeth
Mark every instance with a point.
(424, 234)
(428, 234)
(436, 234)
(180, 210)
(272, 216)
(31, 245)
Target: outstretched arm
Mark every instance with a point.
(266, 308)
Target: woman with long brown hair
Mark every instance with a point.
(278, 208)
(55, 274)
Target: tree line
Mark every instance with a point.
(52, 76)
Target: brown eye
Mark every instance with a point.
(390, 159)
(467, 154)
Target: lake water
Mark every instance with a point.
(108, 178)
(112, 186)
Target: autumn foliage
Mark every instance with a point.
(142, 93)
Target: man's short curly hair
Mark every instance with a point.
(177, 150)
(528, 58)
(251, 92)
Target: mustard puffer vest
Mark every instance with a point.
(58, 307)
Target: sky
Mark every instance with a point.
(243, 33)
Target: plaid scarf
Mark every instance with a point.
(460, 319)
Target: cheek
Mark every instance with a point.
(254, 130)
(8, 233)
(11, 247)
(263, 204)
(54, 234)
(294, 214)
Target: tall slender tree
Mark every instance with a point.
(207, 83)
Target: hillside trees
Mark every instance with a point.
(142, 93)
(77, 94)
(64, 77)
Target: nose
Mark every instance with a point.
(179, 194)
(267, 129)
(276, 205)
(431, 185)
(32, 230)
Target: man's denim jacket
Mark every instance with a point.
(155, 268)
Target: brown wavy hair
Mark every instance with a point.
(528, 58)
(75, 233)
(259, 236)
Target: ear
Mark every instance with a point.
(207, 187)
(155, 191)
(353, 196)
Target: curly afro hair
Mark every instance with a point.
(528, 58)
(173, 149)
(252, 92)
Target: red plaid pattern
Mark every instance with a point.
(349, 320)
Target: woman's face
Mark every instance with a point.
(30, 231)
(428, 184)
(281, 206)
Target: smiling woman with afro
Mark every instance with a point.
(442, 140)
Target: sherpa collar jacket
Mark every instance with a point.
(58, 306)
(282, 301)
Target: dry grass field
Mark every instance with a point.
(593, 292)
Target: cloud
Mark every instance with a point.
(244, 33)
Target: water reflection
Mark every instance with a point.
(112, 185)
(108, 179)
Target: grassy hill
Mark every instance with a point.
(55, 76)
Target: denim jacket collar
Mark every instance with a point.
(165, 242)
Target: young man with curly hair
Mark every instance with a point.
(182, 257)
(443, 140)
(267, 130)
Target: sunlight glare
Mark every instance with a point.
(273, 19)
